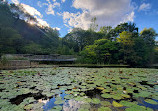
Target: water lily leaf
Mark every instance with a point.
(105, 90)
(28, 107)
(83, 109)
(149, 109)
(75, 93)
(100, 88)
(151, 101)
(106, 96)
(95, 101)
(38, 107)
(143, 94)
(116, 104)
(136, 108)
(59, 101)
(104, 109)
(68, 97)
(78, 98)
(128, 104)
(87, 100)
(105, 103)
(125, 95)
(68, 92)
(116, 96)
(56, 108)
(85, 106)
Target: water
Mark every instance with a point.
(153, 106)
(50, 104)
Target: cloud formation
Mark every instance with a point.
(42, 23)
(107, 12)
(56, 28)
(39, 4)
(35, 13)
(144, 7)
(31, 10)
(15, 1)
(63, 1)
(51, 6)
(81, 20)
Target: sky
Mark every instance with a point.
(64, 15)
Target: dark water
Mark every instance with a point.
(17, 100)
(153, 106)
(93, 94)
(50, 104)
(68, 103)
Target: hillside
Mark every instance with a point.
(18, 36)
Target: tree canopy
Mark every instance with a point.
(122, 44)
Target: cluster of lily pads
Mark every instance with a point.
(79, 89)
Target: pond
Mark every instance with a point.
(79, 89)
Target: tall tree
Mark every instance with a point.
(93, 25)
(148, 36)
(102, 51)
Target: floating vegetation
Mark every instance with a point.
(116, 104)
(151, 101)
(79, 89)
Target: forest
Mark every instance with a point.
(123, 44)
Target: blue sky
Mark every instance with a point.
(66, 14)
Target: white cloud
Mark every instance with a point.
(63, 1)
(129, 17)
(57, 28)
(56, 4)
(31, 10)
(36, 14)
(59, 13)
(15, 1)
(144, 7)
(42, 22)
(77, 20)
(107, 12)
(50, 9)
(39, 4)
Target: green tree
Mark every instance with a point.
(102, 51)
(105, 31)
(93, 25)
(148, 36)
(129, 27)
(32, 48)
(127, 53)
(10, 40)
(156, 55)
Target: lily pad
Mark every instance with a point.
(106, 96)
(105, 103)
(56, 108)
(68, 97)
(95, 101)
(58, 101)
(83, 109)
(104, 109)
(128, 104)
(151, 101)
(116, 104)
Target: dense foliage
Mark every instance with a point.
(79, 89)
(18, 36)
(122, 44)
